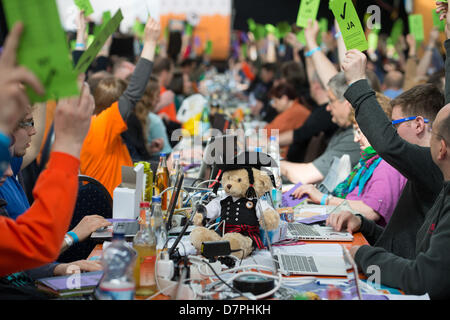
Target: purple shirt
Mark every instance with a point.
(382, 191)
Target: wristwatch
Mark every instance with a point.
(68, 240)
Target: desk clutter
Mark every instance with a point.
(231, 239)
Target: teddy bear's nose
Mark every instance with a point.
(228, 186)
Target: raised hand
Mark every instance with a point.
(311, 32)
(354, 65)
(13, 98)
(72, 122)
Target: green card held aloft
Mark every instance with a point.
(349, 24)
(85, 5)
(307, 11)
(415, 22)
(89, 55)
(440, 24)
(209, 47)
(43, 48)
(397, 30)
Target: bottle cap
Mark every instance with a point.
(156, 199)
(258, 149)
(273, 138)
(144, 204)
(118, 235)
(162, 154)
(176, 155)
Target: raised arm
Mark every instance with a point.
(425, 61)
(13, 99)
(142, 72)
(442, 9)
(409, 159)
(324, 67)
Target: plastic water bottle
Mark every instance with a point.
(158, 225)
(274, 152)
(118, 262)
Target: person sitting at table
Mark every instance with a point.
(104, 152)
(372, 188)
(291, 114)
(426, 270)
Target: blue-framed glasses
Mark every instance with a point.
(397, 122)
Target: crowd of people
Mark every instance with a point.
(385, 114)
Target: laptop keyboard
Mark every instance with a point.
(300, 229)
(298, 263)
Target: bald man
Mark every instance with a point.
(393, 84)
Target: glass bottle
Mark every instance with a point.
(158, 224)
(162, 180)
(144, 244)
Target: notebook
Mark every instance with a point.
(70, 285)
(311, 259)
(287, 200)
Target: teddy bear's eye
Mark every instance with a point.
(239, 180)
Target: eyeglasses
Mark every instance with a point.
(396, 123)
(26, 124)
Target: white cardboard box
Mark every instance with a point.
(128, 195)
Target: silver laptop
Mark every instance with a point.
(298, 264)
(301, 231)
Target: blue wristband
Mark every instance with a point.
(5, 155)
(312, 51)
(324, 200)
(74, 236)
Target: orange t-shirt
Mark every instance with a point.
(290, 119)
(170, 109)
(35, 238)
(104, 153)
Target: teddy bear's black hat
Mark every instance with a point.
(246, 160)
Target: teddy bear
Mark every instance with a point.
(239, 211)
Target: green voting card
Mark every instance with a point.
(85, 5)
(349, 24)
(416, 27)
(89, 55)
(209, 47)
(43, 47)
(260, 32)
(436, 21)
(283, 28)
(301, 37)
(397, 30)
(251, 25)
(307, 10)
(372, 39)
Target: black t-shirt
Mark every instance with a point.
(318, 121)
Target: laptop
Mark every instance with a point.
(129, 227)
(301, 231)
(307, 264)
